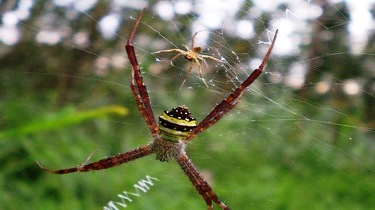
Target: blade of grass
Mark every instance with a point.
(66, 117)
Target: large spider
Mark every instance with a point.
(175, 128)
(193, 54)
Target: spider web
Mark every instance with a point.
(303, 128)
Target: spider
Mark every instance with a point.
(174, 130)
(193, 54)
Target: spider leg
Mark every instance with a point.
(227, 104)
(187, 74)
(170, 50)
(210, 57)
(193, 38)
(200, 72)
(137, 86)
(106, 162)
(180, 52)
(199, 183)
(187, 48)
(203, 60)
(175, 57)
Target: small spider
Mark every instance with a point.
(193, 54)
(174, 130)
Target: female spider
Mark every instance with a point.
(175, 129)
(193, 54)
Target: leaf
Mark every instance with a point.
(66, 117)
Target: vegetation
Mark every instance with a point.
(281, 148)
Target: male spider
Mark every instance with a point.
(176, 128)
(193, 54)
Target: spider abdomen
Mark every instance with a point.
(175, 124)
(166, 150)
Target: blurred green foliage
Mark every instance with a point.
(290, 152)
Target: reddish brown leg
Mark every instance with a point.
(227, 104)
(105, 163)
(199, 183)
(137, 86)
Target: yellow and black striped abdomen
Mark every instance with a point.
(175, 124)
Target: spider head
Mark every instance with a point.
(193, 54)
(197, 50)
(176, 124)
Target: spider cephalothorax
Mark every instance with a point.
(176, 128)
(193, 53)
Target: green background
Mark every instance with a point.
(280, 148)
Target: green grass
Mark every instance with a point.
(252, 158)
